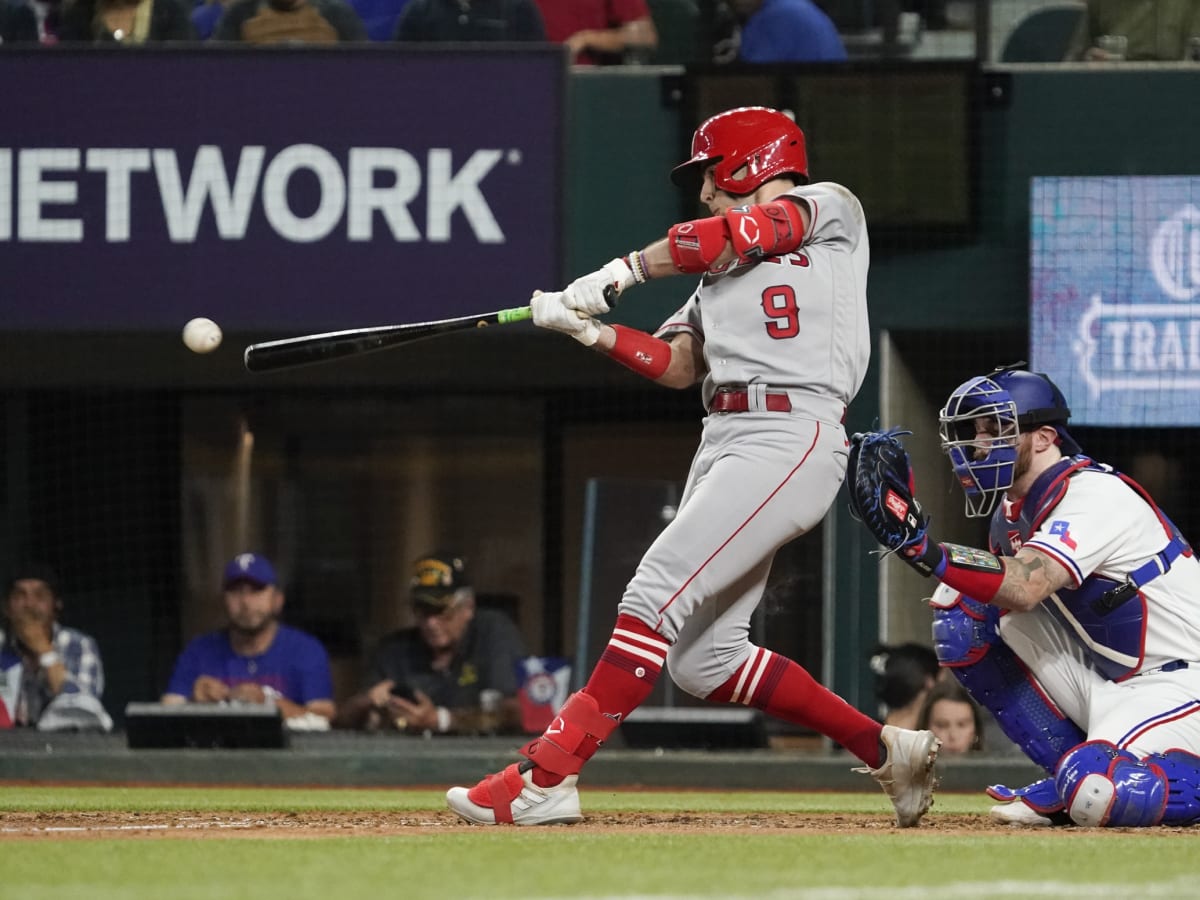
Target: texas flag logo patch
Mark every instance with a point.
(1062, 529)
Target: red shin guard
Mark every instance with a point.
(571, 739)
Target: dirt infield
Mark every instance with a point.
(57, 826)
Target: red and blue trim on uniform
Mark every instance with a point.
(1191, 708)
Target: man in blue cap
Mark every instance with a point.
(256, 658)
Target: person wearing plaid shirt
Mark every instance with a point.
(41, 660)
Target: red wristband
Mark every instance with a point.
(641, 352)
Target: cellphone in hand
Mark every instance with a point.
(404, 692)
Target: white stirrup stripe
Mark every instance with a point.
(747, 667)
(649, 642)
(637, 651)
(764, 657)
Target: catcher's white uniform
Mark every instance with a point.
(1129, 675)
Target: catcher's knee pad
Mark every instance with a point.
(966, 638)
(1102, 785)
(964, 630)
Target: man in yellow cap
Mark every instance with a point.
(454, 671)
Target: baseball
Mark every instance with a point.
(202, 335)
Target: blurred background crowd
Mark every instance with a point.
(661, 32)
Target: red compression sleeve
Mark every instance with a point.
(976, 573)
(765, 229)
(644, 353)
(697, 244)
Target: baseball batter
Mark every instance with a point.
(777, 332)
(1081, 630)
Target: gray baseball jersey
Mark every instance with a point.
(793, 321)
(794, 324)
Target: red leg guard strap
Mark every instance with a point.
(503, 788)
(558, 749)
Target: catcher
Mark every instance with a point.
(1079, 629)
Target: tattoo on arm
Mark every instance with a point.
(1028, 580)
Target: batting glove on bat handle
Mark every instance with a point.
(596, 292)
(550, 312)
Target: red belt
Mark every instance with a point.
(724, 401)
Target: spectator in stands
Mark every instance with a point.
(289, 22)
(126, 21)
(18, 23)
(256, 659)
(47, 670)
(1114, 30)
(601, 32)
(470, 20)
(379, 17)
(782, 31)
(455, 671)
(932, 13)
(904, 674)
(205, 17)
(950, 713)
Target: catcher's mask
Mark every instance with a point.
(1010, 402)
(764, 142)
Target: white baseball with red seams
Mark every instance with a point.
(202, 335)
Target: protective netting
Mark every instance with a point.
(137, 468)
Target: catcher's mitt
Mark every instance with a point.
(881, 490)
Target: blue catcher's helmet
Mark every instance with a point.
(1017, 402)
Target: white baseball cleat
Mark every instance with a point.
(1019, 813)
(514, 799)
(907, 775)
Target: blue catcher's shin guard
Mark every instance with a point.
(1102, 785)
(1182, 771)
(966, 637)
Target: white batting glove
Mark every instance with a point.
(549, 311)
(586, 293)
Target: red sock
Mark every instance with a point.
(783, 689)
(623, 677)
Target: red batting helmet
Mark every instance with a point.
(765, 141)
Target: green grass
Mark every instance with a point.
(579, 864)
(255, 799)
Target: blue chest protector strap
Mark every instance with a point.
(1045, 493)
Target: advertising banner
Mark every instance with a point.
(289, 189)
(1115, 296)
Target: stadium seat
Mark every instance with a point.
(678, 25)
(1044, 35)
(379, 17)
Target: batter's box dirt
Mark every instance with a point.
(57, 826)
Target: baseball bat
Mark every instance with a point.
(308, 349)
